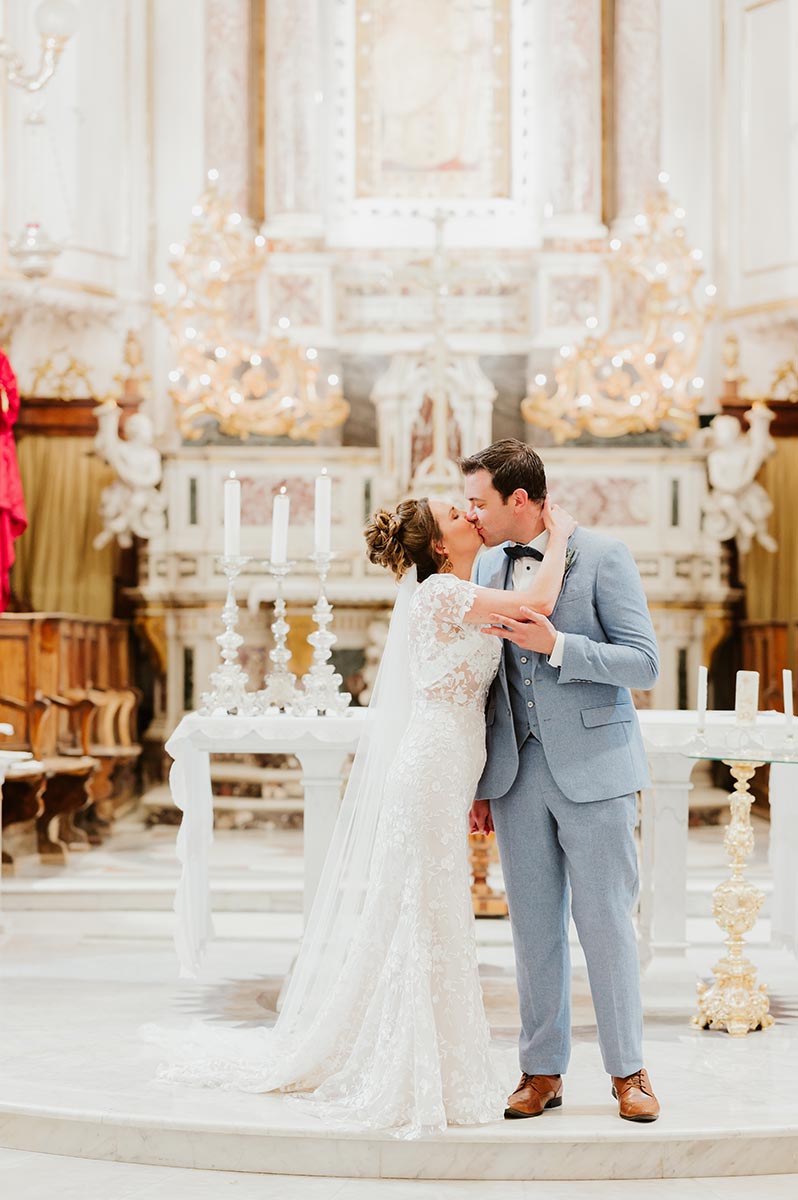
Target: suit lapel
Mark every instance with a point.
(503, 579)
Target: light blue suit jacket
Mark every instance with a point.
(585, 717)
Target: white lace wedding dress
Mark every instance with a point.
(401, 1040)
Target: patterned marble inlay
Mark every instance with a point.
(574, 91)
(297, 295)
(614, 501)
(572, 299)
(637, 101)
(257, 496)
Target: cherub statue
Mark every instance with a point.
(131, 504)
(737, 506)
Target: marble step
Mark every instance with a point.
(564, 1148)
(78, 895)
(241, 895)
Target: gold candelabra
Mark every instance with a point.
(639, 375)
(735, 1002)
(244, 383)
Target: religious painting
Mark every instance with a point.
(432, 108)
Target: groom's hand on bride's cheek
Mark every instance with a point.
(535, 632)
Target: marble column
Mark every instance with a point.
(574, 119)
(293, 115)
(227, 96)
(638, 100)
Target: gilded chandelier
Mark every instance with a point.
(639, 375)
(244, 383)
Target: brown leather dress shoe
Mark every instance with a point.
(534, 1094)
(636, 1100)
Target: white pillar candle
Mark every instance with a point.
(701, 703)
(280, 508)
(786, 678)
(232, 516)
(323, 512)
(746, 698)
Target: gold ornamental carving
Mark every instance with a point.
(226, 378)
(62, 376)
(639, 374)
(487, 902)
(735, 1002)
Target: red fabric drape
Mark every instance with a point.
(13, 519)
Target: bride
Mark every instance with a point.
(383, 1024)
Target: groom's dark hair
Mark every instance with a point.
(511, 465)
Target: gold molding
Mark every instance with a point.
(608, 142)
(60, 284)
(765, 306)
(257, 111)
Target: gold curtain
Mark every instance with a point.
(57, 569)
(771, 580)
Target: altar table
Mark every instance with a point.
(321, 744)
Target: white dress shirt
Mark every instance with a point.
(524, 571)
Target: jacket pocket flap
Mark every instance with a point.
(607, 714)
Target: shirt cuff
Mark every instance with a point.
(556, 656)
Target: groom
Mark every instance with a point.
(565, 759)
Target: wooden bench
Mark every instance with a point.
(100, 726)
(65, 685)
(54, 800)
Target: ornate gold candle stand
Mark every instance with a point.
(486, 900)
(734, 1001)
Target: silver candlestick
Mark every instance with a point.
(279, 685)
(229, 681)
(322, 685)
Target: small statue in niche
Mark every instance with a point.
(132, 504)
(737, 506)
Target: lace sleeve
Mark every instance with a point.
(444, 601)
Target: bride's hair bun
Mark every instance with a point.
(410, 535)
(384, 542)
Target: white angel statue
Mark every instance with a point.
(737, 506)
(131, 504)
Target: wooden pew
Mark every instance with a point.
(100, 726)
(66, 782)
(59, 676)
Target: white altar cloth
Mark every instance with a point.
(7, 759)
(784, 855)
(320, 744)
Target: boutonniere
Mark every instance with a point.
(570, 555)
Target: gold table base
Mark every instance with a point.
(486, 901)
(735, 1002)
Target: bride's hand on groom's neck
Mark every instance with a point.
(559, 523)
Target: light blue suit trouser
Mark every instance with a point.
(547, 842)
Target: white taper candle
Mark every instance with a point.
(232, 516)
(746, 697)
(280, 510)
(701, 703)
(323, 513)
(786, 679)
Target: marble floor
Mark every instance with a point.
(86, 958)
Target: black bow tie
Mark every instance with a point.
(516, 552)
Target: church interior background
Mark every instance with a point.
(285, 241)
